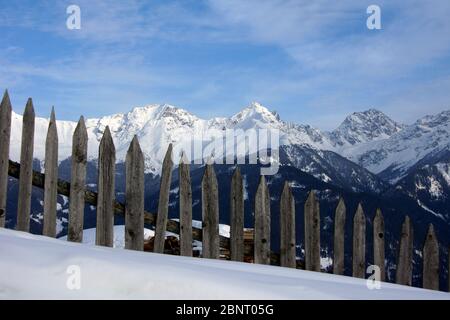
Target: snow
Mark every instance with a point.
(38, 267)
(444, 170)
(429, 210)
(369, 138)
(119, 236)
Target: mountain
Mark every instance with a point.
(362, 127)
(391, 158)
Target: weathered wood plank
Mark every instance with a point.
(262, 223)
(134, 215)
(378, 244)
(26, 172)
(359, 243)
(312, 232)
(237, 216)
(5, 134)
(104, 235)
(163, 203)
(51, 178)
(210, 214)
(185, 193)
(78, 181)
(431, 261)
(339, 237)
(403, 273)
(287, 228)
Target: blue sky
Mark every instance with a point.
(312, 61)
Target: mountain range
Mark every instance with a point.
(402, 168)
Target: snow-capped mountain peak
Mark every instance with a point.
(369, 125)
(256, 115)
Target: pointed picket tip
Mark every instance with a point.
(81, 126)
(6, 102)
(311, 196)
(407, 220)
(286, 188)
(237, 173)
(209, 172)
(52, 115)
(107, 137)
(379, 214)
(262, 182)
(134, 145)
(168, 156)
(341, 204)
(430, 233)
(183, 158)
(29, 109)
(359, 212)
(52, 132)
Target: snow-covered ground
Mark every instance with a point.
(39, 267)
(119, 235)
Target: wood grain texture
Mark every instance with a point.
(210, 214)
(78, 182)
(403, 273)
(339, 237)
(312, 233)
(134, 209)
(237, 216)
(287, 228)
(262, 223)
(26, 172)
(185, 193)
(51, 178)
(359, 243)
(431, 261)
(378, 244)
(163, 203)
(5, 135)
(106, 190)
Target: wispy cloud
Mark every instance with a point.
(314, 61)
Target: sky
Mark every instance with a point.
(314, 62)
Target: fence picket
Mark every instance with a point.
(431, 261)
(77, 185)
(403, 273)
(312, 232)
(287, 228)
(359, 243)
(339, 237)
(134, 207)
(185, 207)
(106, 184)
(26, 169)
(237, 217)
(5, 134)
(262, 223)
(163, 203)
(51, 178)
(378, 244)
(210, 214)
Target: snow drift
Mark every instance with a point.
(36, 267)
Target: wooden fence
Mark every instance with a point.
(136, 216)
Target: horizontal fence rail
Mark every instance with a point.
(239, 246)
